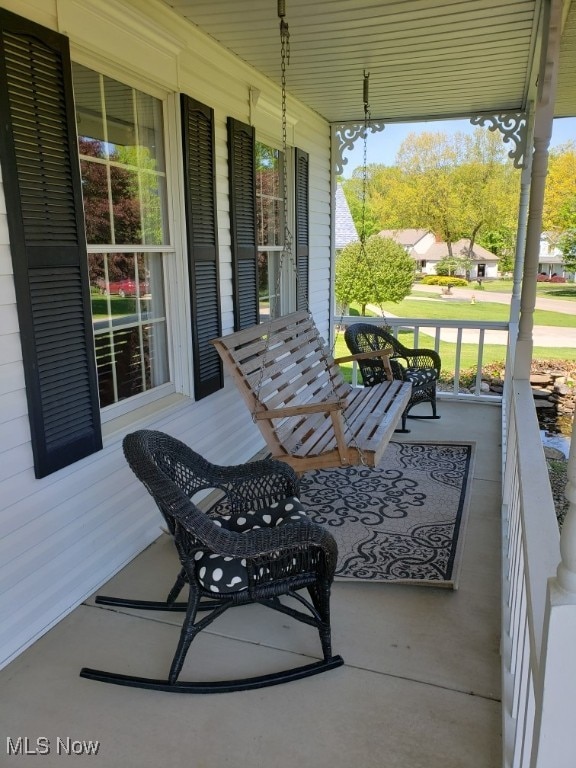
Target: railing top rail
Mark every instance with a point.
(420, 322)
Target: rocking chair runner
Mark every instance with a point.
(253, 546)
(308, 414)
(421, 367)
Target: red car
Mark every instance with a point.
(124, 287)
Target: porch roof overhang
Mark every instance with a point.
(427, 59)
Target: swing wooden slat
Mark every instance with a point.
(308, 414)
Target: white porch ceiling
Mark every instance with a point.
(426, 58)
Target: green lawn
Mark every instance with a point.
(453, 309)
(547, 290)
(118, 306)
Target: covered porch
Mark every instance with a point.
(482, 676)
(421, 684)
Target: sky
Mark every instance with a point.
(382, 147)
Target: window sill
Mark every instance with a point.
(140, 418)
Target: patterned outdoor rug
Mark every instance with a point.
(400, 522)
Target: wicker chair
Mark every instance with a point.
(253, 545)
(421, 367)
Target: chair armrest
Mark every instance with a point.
(423, 358)
(256, 484)
(261, 542)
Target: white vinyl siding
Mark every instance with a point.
(61, 537)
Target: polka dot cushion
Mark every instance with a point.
(420, 375)
(224, 575)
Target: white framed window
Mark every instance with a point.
(124, 187)
(276, 274)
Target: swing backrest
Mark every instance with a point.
(282, 363)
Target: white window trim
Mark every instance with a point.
(288, 275)
(177, 295)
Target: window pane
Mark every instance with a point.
(120, 120)
(150, 131)
(269, 197)
(97, 213)
(128, 315)
(90, 125)
(125, 206)
(121, 149)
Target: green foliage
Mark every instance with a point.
(449, 265)
(449, 282)
(502, 242)
(362, 213)
(567, 245)
(380, 271)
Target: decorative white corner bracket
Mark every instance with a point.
(512, 125)
(345, 136)
(514, 128)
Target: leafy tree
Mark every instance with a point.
(378, 271)
(567, 245)
(560, 194)
(363, 200)
(502, 242)
(460, 186)
(450, 265)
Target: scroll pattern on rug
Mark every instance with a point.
(401, 521)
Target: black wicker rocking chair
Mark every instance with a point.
(253, 545)
(420, 367)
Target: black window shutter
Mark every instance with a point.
(301, 238)
(45, 218)
(242, 175)
(202, 233)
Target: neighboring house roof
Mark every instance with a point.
(438, 249)
(404, 236)
(345, 228)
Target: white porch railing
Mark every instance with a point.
(531, 554)
(538, 644)
(430, 333)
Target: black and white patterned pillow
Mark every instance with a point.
(223, 575)
(420, 375)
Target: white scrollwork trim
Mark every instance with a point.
(514, 128)
(345, 136)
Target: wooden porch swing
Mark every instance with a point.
(310, 417)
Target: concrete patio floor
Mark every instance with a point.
(420, 687)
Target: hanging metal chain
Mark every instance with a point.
(367, 121)
(287, 250)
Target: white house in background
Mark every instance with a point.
(550, 258)
(345, 229)
(415, 241)
(427, 251)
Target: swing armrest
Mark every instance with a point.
(300, 410)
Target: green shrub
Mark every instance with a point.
(449, 282)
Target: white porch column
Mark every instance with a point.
(522, 220)
(542, 133)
